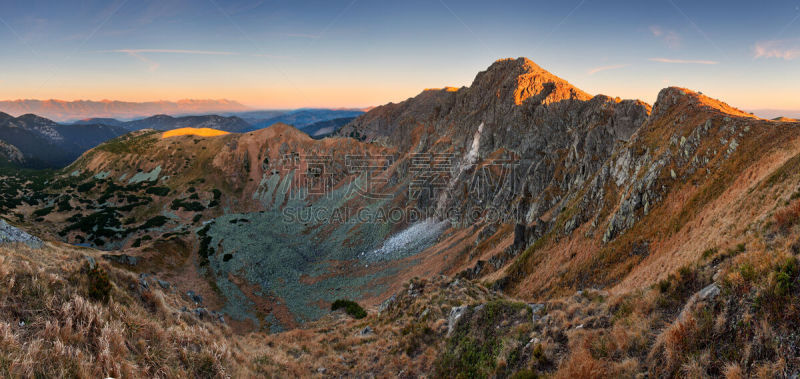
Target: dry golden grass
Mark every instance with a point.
(581, 364)
(199, 132)
(49, 327)
(142, 333)
(787, 217)
(733, 371)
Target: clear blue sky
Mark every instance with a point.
(276, 54)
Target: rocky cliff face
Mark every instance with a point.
(10, 153)
(529, 132)
(573, 173)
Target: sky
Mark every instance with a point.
(358, 53)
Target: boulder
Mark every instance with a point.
(454, 317)
(10, 234)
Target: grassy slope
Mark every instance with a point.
(702, 206)
(50, 326)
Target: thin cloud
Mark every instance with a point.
(170, 51)
(151, 65)
(606, 68)
(682, 61)
(782, 49)
(670, 37)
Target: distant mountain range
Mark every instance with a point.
(326, 128)
(301, 118)
(69, 111)
(777, 113)
(37, 142)
(164, 122)
(254, 117)
(317, 123)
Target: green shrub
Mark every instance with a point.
(785, 276)
(193, 206)
(99, 284)
(155, 222)
(158, 191)
(205, 249)
(709, 252)
(678, 287)
(42, 212)
(350, 307)
(64, 205)
(217, 195)
(524, 374)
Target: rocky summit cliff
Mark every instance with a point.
(554, 134)
(554, 232)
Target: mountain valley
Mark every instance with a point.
(517, 226)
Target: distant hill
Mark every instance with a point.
(325, 128)
(776, 113)
(68, 111)
(164, 122)
(38, 142)
(45, 143)
(100, 120)
(254, 117)
(85, 137)
(301, 118)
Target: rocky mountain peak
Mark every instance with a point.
(521, 79)
(32, 118)
(673, 99)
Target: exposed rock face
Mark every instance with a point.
(666, 149)
(455, 315)
(10, 234)
(523, 140)
(11, 153)
(530, 150)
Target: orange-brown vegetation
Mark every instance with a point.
(788, 216)
(51, 325)
(200, 132)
